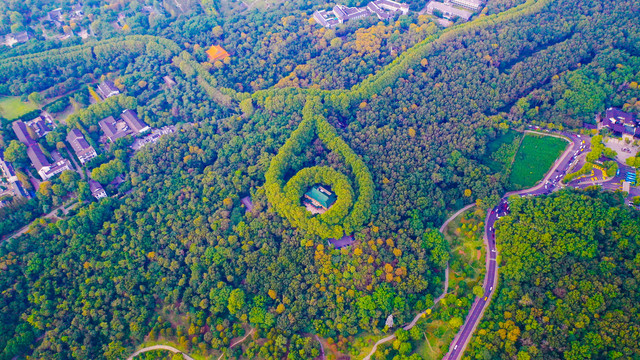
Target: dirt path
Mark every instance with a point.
(436, 301)
(236, 343)
(160, 347)
(321, 348)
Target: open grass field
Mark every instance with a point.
(501, 150)
(534, 158)
(11, 107)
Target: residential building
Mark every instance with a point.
(55, 15)
(248, 204)
(114, 129)
(21, 37)
(80, 146)
(216, 52)
(169, 81)
(346, 13)
(18, 190)
(45, 169)
(7, 170)
(621, 122)
(383, 9)
(447, 11)
(96, 189)
(107, 89)
(76, 12)
(22, 132)
(392, 6)
(320, 197)
(155, 135)
(378, 11)
(135, 124)
(474, 5)
(326, 18)
(39, 126)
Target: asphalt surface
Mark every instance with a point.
(579, 145)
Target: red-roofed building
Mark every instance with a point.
(216, 52)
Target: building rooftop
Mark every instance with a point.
(37, 157)
(39, 126)
(342, 242)
(448, 11)
(96, 189)
(114, 129)
(131, 118)
(216, 52)
(621, 122)
(21, 131)
(18, 190)
(77, 140)
(6, 167)
(323, 196)
(107, 89)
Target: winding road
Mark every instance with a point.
(552, 181)
(578, 146)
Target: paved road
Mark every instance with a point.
(160, 347)
(578, 146)
(50, 215)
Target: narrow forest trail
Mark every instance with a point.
(436, 301)
(159, 347)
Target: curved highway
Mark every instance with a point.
(578, 145)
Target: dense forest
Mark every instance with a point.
(180, 258)
(568, 281)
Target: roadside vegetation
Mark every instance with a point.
(431, 336)
(91, 286)
(568, 284)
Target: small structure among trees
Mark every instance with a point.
(216, 52)
(319, 199)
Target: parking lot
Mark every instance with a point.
(623, 149)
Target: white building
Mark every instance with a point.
(474, 5)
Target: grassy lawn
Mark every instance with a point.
(12, 108)
(534, 158)
(501, 150)
(438, 336)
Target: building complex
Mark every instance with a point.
(447, 11)
(621, 123)
(320, 198)
(383, 9)
(128, 124)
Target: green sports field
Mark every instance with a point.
(12, 108)
(534, 158)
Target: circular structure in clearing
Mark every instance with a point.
(296, 187)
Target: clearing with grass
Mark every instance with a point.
(12, 107)
(534, 158)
